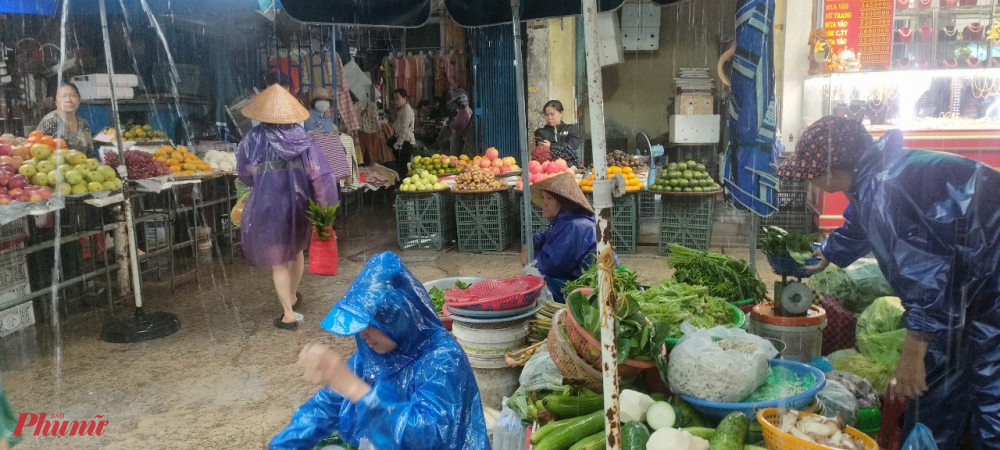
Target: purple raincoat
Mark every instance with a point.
(285, 169)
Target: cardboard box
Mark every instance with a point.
(703, 129)
(695, 104)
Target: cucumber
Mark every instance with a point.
(688, 416)
(704, 433)
(634, 436)
(753, 447)
(564, 407)
(730, 433)
(550, 428)
(661, 415)
(592, 442)
(564, 437)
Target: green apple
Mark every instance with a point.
(55, 177)
(79, 189)
(94, 186)
(45, 166)
(40, 151)
(93, 163)
(74, 177)
(95, 177)
(109, 185)
(74, 157)
(118, 183)
(65, 188)
(40, 179)
(65, 168)
(107, 171)
(82, 168)
(27, 170)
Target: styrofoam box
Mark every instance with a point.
(102, 80)
(104, 93)
(16, 318)
(695, 129)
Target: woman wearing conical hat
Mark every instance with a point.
(567, 247)
(285, 169)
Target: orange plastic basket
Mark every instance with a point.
(779, 440)
(497, 295)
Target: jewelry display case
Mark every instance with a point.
(943, 34)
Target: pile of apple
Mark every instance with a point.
(421, 182)
(492, 162)
(435, 164)
(540, 171)
(68, 170)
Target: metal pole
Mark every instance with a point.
(122, 170)
(602, 209)
(522, 132)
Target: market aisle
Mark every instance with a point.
(227, 379)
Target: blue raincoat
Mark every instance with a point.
(423, 395)
(933, 222)
(565, 249)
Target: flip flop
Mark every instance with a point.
(285, 326)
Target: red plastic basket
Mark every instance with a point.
(497, 295)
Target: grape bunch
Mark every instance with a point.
(541, 154)
(140, 164)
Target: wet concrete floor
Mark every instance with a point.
(227, 379)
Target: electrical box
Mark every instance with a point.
(640, 26)
(702, 129)
(610, 39)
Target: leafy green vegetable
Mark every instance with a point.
(437, 295)
(729, 278)
(777, 241)
(637, 337)
(625, 280)
(671, 303)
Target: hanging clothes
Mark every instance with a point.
(451, 70)
(418, 80)
(369, 136)
(290, 69)
(440, 77)
(410, 79)
(399, 67)
(344, 105)
(462, 67)
(389, 80)
(333, 150)
(354, 178)
(429, 78)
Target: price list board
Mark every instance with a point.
(858, 28)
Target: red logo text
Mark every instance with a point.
(57, 427)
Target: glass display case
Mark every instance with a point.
(942, 34)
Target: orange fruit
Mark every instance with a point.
(175, 169)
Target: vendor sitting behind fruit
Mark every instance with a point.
(569, 244)
(562, 140)
(63, 123)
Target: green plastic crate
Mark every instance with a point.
(484, 222)
(686, 221)
(425, 221)
(647, 205)
(538, 223)
(624, 222)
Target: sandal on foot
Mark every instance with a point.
(298, 302)
(283, 325)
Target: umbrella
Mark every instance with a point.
(750, 172)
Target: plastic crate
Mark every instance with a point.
(624, 222)
(13, 275)
(538, 223)
(425, 221)
(16, 318)
(647, 205)
(792, 197)
(686, 221)
(13, 233)
(798, 222)
(484, 222)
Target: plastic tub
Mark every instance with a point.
(803, 336)
(799, 401)
(491, 339)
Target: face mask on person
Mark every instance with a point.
(322, 106)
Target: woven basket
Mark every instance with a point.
(573, 369)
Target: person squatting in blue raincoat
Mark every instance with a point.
(567, 247)
(409, 386)
(932, 220)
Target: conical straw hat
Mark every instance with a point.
(275, 105)
(563, 185)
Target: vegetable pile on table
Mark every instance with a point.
(637, 337)
(671, 303)
(778, 242)
(437, 295)
(625, 280)
(726, 277)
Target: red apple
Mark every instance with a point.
(8, 169)
(5, 150)
(18, 181)
(31, 188)
(46, 193)
(35, 197)
(5, 199)
(4, 179)
(23, 197)
(14, 192)
(3, 191)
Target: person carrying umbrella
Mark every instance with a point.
(932, 220)
(409, 385)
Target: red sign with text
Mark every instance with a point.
(864, 27)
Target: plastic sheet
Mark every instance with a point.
(509, 433)
(856, 286)
(285, 169)
(423, 396)
(860, 387)
(699, 367)
(880, 332)
(13, 211)
(540, 373)
(838, 399)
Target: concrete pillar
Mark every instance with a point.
(537, 64)
(793, 48)
(562, 65)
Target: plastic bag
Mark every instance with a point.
(781, 383)
(509, 433)
(540, 373)
(860, 387)
(856, 287)
(720, 364)
(519, 403)
(546, 294)
(880, 331)
(838, 399)
(877, 374)
(236, 215)
(867, 278)
(920, 438)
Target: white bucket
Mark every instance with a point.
(495, 384)
(802, 343)
(491, 339)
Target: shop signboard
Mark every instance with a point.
(859, 33)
